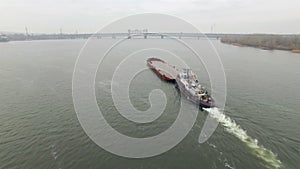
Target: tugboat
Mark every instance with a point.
(188, 84)
(163, 70)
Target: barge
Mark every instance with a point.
(163, 70)
(185, 81)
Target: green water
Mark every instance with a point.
(39, 127)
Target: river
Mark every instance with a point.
(259, 127)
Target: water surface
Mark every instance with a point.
(39, 127)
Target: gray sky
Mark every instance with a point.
(237, 16)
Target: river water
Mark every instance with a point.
(259, 127)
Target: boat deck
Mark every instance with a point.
(165, 69)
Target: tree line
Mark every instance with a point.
(281, 42)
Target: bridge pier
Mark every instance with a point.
(162, 36)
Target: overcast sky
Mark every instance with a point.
(230, 16)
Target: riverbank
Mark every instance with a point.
(266, 42)
(296, 51)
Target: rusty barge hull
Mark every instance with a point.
(163, 70)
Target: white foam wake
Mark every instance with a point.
(231, 127)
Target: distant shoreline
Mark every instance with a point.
(296, 50)
(265, 42)
(261, 47)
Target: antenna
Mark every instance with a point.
(212, 28)
(26, 31)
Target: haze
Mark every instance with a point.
(224, 16)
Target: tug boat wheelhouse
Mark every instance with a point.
(188, 84)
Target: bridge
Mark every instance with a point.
(144, 34)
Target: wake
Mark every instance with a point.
(233, 128)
